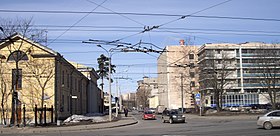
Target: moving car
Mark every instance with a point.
(148, 115)
(269, 120)
(172, 116)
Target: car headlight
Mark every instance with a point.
(183, 116)
(174, 116)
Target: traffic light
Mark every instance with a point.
(116, 99)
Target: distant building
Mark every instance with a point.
(178, 76)
(128, 100)
(248, 66)
(94, 95)
(150, 86)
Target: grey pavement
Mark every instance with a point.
(123, 121)
(224, 117)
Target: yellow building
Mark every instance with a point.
(44, 78)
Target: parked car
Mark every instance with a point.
(148, 115)
(269, 120)
(153, 110)
(160, 109)
(172, 116)
(234, 108)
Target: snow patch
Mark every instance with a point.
(95, 118)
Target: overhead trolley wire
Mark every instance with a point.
(136, 14)
(118, 13)
(77, 22)
(147, 29)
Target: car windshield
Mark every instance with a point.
(173, 112)
(148, 112)
(275, 114)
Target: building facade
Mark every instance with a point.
(128, 100)
(94, 96)
(178, 76)
(41, 76)
(248, 71)
(148, 90)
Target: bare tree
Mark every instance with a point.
(268, 71)
(215, 73)
(40, 73)
(24, 27)
(4, 91)
(142, 95)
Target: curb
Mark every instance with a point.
(61, 129)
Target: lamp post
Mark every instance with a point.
(110, 99)
(182, 93)
(110, 53)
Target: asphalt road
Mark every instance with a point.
(194, 126)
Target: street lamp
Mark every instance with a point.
(110, 53)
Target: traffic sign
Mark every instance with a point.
(197, 96)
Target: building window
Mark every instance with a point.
(192, 84)
(17, 84)
(244, 51)
(68, 80)
(75, 83)
(191, 56)
(62, 104)
(192, 74)
(63, 77)
(156, 87)
(191, 65)
(17, 56)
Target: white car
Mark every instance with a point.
(269, 120)
(234, 108)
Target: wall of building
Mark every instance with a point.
(245, 83)
(65, 87)
(175, 67)
(153, 102)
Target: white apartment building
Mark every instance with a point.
(247, 67)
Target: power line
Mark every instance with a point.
(124, 28)
(183, 17)
(118, 13)
(138, 14)
(148, 28)
(183, 30)
(216, 33)
(77, 22)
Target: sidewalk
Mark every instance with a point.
(124, 121)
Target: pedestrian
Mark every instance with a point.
(125, 111)
(164, 111)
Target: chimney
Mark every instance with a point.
(182, 42)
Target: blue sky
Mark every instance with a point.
(136, 65)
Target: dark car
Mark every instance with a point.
(172, 116)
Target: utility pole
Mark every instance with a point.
(117, 100)
(110, 99)
(118, 91)
(182, 93)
